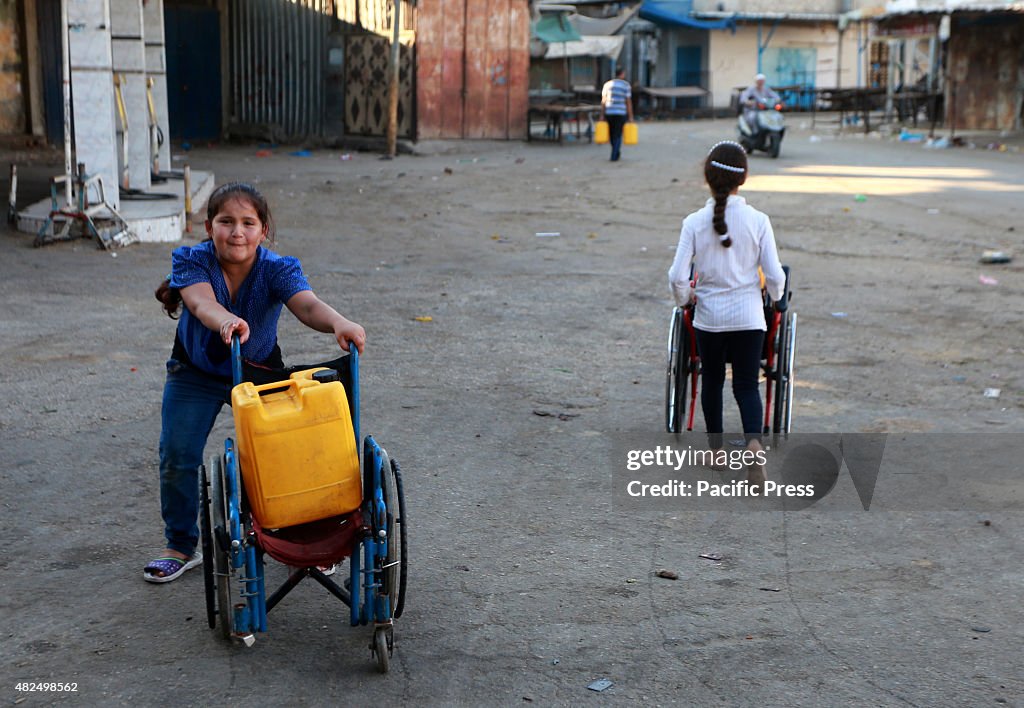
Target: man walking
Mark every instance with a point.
(616, 108)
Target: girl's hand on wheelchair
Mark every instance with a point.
(346, 331)
(234, 325)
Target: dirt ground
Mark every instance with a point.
(527, 580)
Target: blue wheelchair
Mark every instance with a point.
(373, 536)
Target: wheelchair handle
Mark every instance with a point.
(783, 303)
(236, 360)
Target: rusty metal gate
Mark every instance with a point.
(473, 68)
(366, 86)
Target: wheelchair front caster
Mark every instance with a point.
(383, 645)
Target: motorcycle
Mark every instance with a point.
(767, 134)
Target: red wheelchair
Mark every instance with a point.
(777, 359)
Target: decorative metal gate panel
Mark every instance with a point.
(366, 86)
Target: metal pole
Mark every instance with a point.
(66, 50)
(188, 199)
(393, 87)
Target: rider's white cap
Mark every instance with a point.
(760, 77)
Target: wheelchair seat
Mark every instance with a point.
(321, 543)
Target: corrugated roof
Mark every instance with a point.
(903, 7)
(791, 16)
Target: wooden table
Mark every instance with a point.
(670, 93)
(555, 115)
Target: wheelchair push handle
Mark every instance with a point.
(236, 360)
(782, 304)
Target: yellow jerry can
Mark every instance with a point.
(630, 134)
(601, 134)
(296, 450)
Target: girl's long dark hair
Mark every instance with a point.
(725, 169)
(170, 297)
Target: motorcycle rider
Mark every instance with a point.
(757, 93)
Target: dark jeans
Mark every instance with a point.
(615, 124)
(743, 349)
(191, 403)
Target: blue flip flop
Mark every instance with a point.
(172, 568)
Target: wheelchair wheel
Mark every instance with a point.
(221, 545)
(382, 646)
(394, 563)
(790, 378)
(401, 544)
(677, 375)
(781, 385)
(209, 581)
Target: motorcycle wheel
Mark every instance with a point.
(774, 144)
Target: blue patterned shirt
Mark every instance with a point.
(273, 280)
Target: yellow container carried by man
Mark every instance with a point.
(630, 134)
(602, 133)
(297, 450)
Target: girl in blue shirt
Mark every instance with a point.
(229, 284)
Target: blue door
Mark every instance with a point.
(51, 59)
(792, 66)
(192, 37)
(689, 73)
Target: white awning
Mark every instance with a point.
(589, 46)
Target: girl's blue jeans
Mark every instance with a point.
(191, 403)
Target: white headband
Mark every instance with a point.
(722, 166)
(725, 142)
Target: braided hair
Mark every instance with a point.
(725, 169)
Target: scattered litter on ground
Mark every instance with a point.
(594, 235)
(995, 257)
(424, 318)
(449, 171)
(630, 580)
(520, 160)
(643, 249)
(983, 630)
(992, 392)
(933, 211)
(987, 522)
(937, 143)
(301, 153)
(959, 379)
(815, 139)
(263, 153)
(711, 556)
(771, 589)
(547, 234)
(986, 280)
(554, 662)
(345, 157)
(600, 685)
(859, 198)
(846, 208)
(667, 574)
(474, 159)
(840, 315)
(908, 137)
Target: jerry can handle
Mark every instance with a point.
(236, 360)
